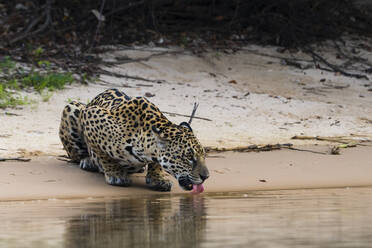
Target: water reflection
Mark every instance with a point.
(295, 218)
(146, 222)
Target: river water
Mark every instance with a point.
(285, 218)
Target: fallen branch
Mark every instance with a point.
(126, 60)
(274, 56)
(340, 139)
(195, 117)
(335, 150)
(334, 67)
(115, 74)
(364, 61)
(250, 148)
(15, 159)
(306, 150)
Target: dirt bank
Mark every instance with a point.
(48, 178)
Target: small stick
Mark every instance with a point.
(15, 159)
(329, 139)
(130, 60)
(195, 117)
(11, 114)
(250, 148)
(115, 74)
(196, 105)
(305, 150)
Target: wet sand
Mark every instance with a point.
(47, 177)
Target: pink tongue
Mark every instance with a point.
(197, 188)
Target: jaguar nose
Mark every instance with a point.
(204, 176)
(202, 170)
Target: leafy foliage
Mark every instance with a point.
(280, 22)
(13, 79)
(50, 80)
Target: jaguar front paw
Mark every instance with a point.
(87, 165)
(122, 181)
(163, 185)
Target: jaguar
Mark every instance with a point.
(118, 135)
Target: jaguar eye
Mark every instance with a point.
(192, 162)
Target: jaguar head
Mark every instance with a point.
(181, 155)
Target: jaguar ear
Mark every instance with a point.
(185, 124)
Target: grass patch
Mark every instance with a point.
(49, 80)
(11, 99)
(13, 79)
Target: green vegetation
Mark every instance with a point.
(10, 99)
(49, 80)
(43, 80)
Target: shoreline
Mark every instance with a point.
(46, 177)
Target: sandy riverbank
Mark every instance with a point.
(251, 97)
(49, 178)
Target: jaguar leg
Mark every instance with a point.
(157, 179)
(118, 178)
(90, 163)
(70, 132)
(114, 173)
